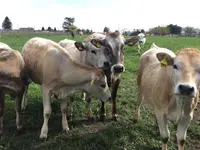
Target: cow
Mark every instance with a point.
(138, 40)
(170, 82)
(11, 81)
(56, 71)
(113, 45)
(86, 53)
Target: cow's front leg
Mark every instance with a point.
(115, 86)
(46, 112)
(2, 102)
(63, 108)
(182, 130)
(163, 127)
(89, 109)
(102, 112)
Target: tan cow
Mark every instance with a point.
(11, 81)
(52, 67)
(170, 82)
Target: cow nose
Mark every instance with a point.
(118, 68)
(186, 89)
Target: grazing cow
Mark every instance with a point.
(11, 81)
(140, 40)
(81, 33)
(52, 67)
(170, 82)
(113, 44)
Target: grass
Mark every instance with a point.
(120, 135)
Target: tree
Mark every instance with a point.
(43, 28)
(54, 29)
(49, 29)
(174, 29)
(189, 31)
(7, 24)
(68, 24)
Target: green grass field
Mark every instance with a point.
(120, 135)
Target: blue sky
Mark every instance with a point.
(96, 14)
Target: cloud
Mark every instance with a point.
(95, 15)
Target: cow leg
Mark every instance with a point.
(136, 114)
(69, 109)
(115, 86)
(182, 130)
(102, 112)
(46, 112)
(89, 109)
(83, 96)
(63, 108)
(2, 102)
(24, 98)
(139, 48)
(163, 127)
(18, 101)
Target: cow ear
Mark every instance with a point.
(131, 41)
(165, 59)
(97, 43)
(80, 46)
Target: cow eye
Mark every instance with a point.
(103, 85)
(175, 67)
(93, 52)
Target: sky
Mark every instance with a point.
(96, 14)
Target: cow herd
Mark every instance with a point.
(168, 81)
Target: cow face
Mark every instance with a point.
(94, 55)
(99, 87)
(186, 71)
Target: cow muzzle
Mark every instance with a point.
(186, 90)
(118, 68)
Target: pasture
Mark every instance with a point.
(84, 135)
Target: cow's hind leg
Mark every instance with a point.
(18, 101)
(63, 108)
(2, 102)
(24, 98)
(136, 114)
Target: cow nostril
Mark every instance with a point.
(185, 89)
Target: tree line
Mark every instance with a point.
(68, 26)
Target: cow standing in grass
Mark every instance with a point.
(52, 67)
(170, 82)
(113, 47)
(11, 81)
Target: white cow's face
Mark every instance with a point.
(186, 71)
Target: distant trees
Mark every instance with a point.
(7, 24)
(68, 24)
(54, 29)
(174, 29)
(43, 28)
(49, 29)
(164, 30)
(189, 30)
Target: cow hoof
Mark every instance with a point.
(43, 139)
(102, 118)
(114, 118)
(66, 131)
(20, 131)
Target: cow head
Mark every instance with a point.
(186, 71)
(94, 55)
(99, 87)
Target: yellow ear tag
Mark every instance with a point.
(98, 45)
(163, 62)
(91, 82)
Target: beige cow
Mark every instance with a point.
(52, 67)
(11, 81)
(170, 83)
